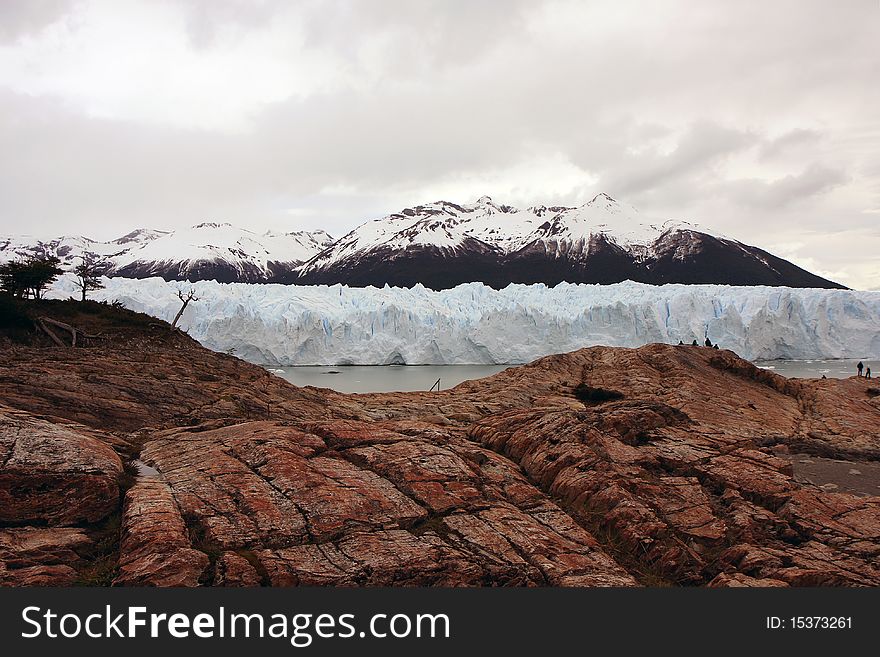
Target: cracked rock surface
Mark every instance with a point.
(686, 476)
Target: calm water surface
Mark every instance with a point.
(805, 369)
(385, 378)
(406, 378)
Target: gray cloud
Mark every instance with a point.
(699, 150)
(757, 119)
(18, 19)
(794, 188)
(428, 35)
(205, 19)
(793, 140)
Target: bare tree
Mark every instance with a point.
(190, 296)
(45, 324)
(88, 274)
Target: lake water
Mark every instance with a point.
(406, 378)
(805, 369)
(385, 378)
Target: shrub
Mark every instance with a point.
(12, 315)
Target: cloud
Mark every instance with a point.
(703, 146)
(18, 19)
(793, 140)
(756, 119)
(206, 22)
(813, 181)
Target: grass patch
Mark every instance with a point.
(100, 572)
(103, 558)
(201, 541)
(646, 572)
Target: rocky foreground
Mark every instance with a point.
(141, 458)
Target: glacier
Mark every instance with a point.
(285, 325)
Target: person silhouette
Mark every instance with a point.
(694, 343)
(680, 343)
(860, 367)
(868, 373)
(708, 342)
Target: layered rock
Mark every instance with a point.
(370, 503)
(164, 379)
(34, 556)
(155, 549)
(58, 474)
(658, 465)
(682, 470)
(53, 473)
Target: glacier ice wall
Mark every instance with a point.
(472, 323)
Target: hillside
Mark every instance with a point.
(142, 458)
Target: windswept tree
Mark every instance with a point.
(88, 274)
(185, 299)
(29, 277)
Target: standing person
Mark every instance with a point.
(860, 367)
(868, 373)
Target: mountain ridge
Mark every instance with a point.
(603, 241)
(441, 245)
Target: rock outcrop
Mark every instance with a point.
(369, 503)
(46, 465)
(33, 556)
(155, 549)
(684, 468)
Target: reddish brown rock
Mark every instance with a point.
(849, 523)
(31, 556)
(233, 569)
(738, 580)
(54, 474)
(387, 504)
(511, 480)
(675, 480)
(155, 549)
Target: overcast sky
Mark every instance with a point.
(760, 120)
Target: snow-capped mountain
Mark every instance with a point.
(70, 249)
(222, 252)
(443, 244)
(208, 251)
(140, 236)
(603, 241)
